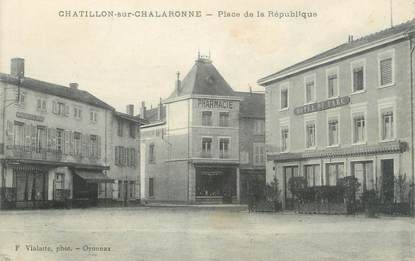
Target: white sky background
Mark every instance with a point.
(127, 60)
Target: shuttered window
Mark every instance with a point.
(385, 71)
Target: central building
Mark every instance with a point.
(190, 146)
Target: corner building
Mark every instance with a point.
(190, 148)
(345, 112)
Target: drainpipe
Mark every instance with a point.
(411, 49)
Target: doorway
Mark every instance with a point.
(289, 173)
(387, 194)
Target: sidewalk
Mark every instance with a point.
(238, 207)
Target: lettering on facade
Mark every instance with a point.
(215, 104)
(324, 105)
(28, 116)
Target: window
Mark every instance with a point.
(224, 119)
(223, 148)
(151, 187)
(60, 108)
(332, 88)
(94, 146)
(312, 175)
(385, 71)
(59, 140)
(310, 90)
(259, 153)
(77, 143)
(259, 126)
(284, 139)
(59, 181)
(333, 132)
(363, 171)
(20, 97)
(358, 77)
(41, 139)
(41, 105)
(151, 155)
(334, 172)
(19, 133)
(359, 129)
(77, 113)
(284, 98)
(387, 125)
(207, 118)
(93, 116)
(310, 135)
(132, 130)
(206, 147)
(386, 68)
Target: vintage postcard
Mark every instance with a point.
(207, 130)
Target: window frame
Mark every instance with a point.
(307, 79)
(356, 64)
(330, 72)
(358, 109)
(220, 149)
(262, 156)
(285, 86)
(211, 118)
(227, 119)
(383, 56)
(387, 104)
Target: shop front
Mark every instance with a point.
(216, 185)
(86, 186)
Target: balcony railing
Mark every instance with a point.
(29, 152)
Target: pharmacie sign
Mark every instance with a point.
(214, 104)
(324, 105)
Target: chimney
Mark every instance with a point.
(350, 39)
(178, 83)
(17, 67)
(159, 110)
(130, 109)
(73, 85)
(143, 110)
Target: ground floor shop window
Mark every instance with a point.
(131, 189)
(105, 190)
(312, 175)
(363, 171)
(334, 171)
(31, 185)
(215, 183)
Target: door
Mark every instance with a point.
(289, 172)
(387, 181)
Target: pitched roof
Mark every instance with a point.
(252, 105)
(371, 38)
(203, 79)
(56, 90)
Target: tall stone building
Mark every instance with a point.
(191, 149)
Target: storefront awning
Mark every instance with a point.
(93, 176)
(353, 151)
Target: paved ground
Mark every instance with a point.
(167, 233)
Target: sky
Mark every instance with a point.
(128, 60)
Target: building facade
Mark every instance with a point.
(191, 146)
(345, 112)
(56, 147)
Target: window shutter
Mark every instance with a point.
(71, 143)
(66, 110)
(83, 145)
(386, 71)
(116, 156)
(99, 146)
(27, 133)
(33, 136)
(67, 142)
